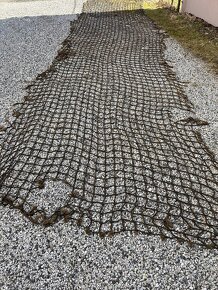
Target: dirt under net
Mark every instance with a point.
(96, 140)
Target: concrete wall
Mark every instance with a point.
(205, 9)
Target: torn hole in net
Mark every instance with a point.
(50, 195)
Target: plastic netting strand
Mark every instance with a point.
(98, 126)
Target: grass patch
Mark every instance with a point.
(197, 36)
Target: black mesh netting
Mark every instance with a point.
(95, 139)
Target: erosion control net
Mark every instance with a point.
(96, 141)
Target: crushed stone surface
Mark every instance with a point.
(63, 256)
(201, 87)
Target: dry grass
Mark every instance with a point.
(197, 36)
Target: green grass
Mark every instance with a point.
(198, 37)
(152, 4)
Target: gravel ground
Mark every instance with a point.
(201, 88)
(21, 8)
(63, 257)
(27, 47)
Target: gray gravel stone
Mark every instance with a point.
(27, 47)
(63, 256)
(201, 88)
